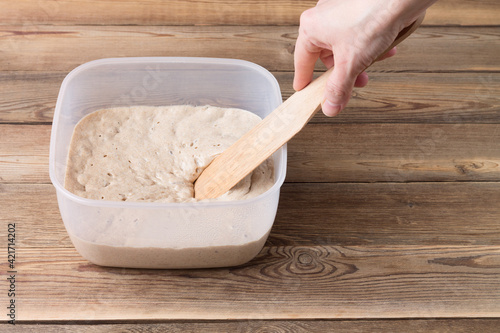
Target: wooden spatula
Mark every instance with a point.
(253, 148)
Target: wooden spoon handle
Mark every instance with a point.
(253, 148)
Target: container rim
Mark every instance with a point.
(129, 60)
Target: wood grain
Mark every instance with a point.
(154, 12)
(24, 152)
(33, 208)
(388, 214)
(378, 214)
(484, 12)
(419, 98)
(214, 12)
(30, 97)
(328, 152)
(55, 48)
(456, 325)
(322, 282)
(394, 153)
(388, 221)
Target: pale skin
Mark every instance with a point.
(349, 35)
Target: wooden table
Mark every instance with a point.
(389, 219)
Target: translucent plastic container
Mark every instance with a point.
(164, 235)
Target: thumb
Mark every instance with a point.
(338, 88)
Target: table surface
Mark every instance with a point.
(389, 219)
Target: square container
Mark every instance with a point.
(164, 235)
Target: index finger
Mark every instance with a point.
(305, 57)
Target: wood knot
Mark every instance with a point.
(309, 261)
(479, 261)
(292, 264)
(468, 167)
(305, 259)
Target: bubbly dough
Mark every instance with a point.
(154, 154)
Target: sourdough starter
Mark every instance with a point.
(154, 154)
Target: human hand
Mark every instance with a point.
(350, 34)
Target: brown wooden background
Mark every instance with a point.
(389, 219)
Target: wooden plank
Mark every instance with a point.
(388, 214)
(421, 98)
(30, 97)
(464, 12)
(154, 12)
(329, 152)
(322, 282)
(316, 215)
(56, 48)
(33, 208)
(394, 153)
(24, 153)
(214, 12)
(456, 325)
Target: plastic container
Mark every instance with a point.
(164, 235)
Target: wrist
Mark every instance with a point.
(404, 12)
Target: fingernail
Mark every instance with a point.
(331, 109)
